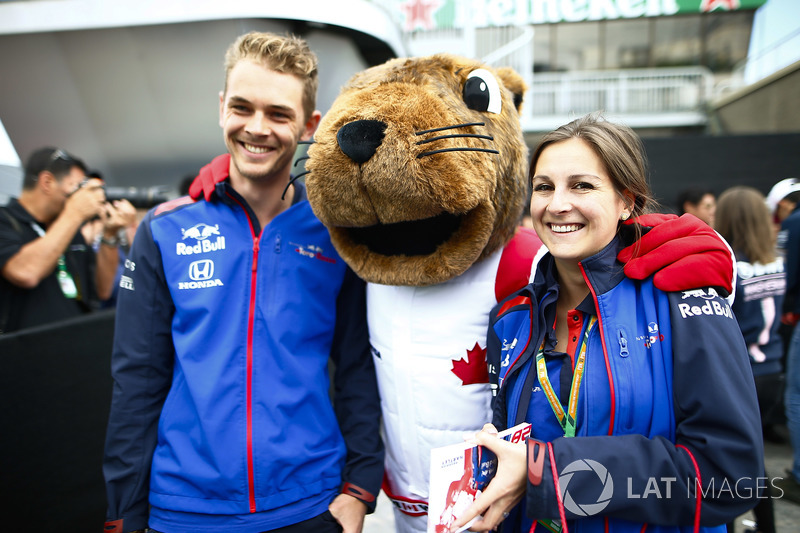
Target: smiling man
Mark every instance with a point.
(234, 302)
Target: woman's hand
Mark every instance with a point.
(507, 487)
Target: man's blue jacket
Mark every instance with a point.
(221, 402)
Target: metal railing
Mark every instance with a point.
(653, 97)
(662, 96)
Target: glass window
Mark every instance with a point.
(543, 60)
(727, 39)
(676, 41)
(577, 46)
(627, 44)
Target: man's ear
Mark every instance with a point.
(221, 106)
(311, 125)
(46, 181)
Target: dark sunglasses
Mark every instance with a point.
(60, 154)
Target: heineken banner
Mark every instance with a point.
(440, 14)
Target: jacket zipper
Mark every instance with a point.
(249, 384)
(613, 409)
(623, 343)
(251, 492)
(513, 366)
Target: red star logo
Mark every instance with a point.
(708, 5)
(473, 370)
(419, 13)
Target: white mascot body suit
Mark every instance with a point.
(419, 170)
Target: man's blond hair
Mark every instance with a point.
(287, 54)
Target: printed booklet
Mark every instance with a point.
(459, 472)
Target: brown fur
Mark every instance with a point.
(394, 188)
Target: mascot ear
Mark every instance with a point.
(514, 83)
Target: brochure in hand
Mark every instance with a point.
(459, 472)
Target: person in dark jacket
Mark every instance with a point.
(230, 308)
(642, 403)
(784, 198)
(744, 220)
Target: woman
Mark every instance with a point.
(744, 220)
(642, 404)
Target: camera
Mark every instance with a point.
(144, 198)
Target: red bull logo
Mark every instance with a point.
(204, 246)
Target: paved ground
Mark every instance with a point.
(778, 459)
(382, 520)
(787, 514)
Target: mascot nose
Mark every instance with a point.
(359, 139)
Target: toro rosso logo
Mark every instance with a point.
(653, 335)
(200, 233)
(312, 251)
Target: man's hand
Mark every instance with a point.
(116, 216)
(681, 253)
(349, 512)
(87, 200)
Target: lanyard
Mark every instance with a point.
(568, 419)
(63, 276)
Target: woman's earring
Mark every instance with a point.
(624, 216)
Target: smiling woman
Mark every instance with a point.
(575, 205)
(607, 370)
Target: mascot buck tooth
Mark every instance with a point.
(419, 171)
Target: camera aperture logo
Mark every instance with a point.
(599, 471)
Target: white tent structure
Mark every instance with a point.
(132, 87)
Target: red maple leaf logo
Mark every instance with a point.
(473, 370)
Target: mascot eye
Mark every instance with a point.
(482, 92)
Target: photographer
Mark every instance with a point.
(49, 272)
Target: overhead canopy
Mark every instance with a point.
(132, 87)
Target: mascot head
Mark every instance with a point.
(419, 169)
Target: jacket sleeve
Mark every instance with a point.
(714, 470)
(141, 367)
(356, 400)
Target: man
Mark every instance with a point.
(699, 202)
(229, 309)
(783, 200)
(49, 273)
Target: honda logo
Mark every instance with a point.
(201, 270)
